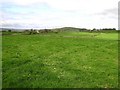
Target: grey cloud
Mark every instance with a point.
(11, 25)
(19, 25)
(113, 11)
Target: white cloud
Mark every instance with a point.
(69, 4)
(79, 13)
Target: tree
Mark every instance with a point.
(9, 30)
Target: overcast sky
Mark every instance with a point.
(59, 13)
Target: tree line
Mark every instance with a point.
(36, 31)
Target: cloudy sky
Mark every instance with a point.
(59, 13)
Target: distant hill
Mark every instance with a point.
(6, 29)
(69, 29)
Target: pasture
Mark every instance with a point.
(63, 60)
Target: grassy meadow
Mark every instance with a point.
(62, 60)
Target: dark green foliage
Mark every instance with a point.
(9, 30)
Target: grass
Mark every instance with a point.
(63, 60)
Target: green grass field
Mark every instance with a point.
(63, 60)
